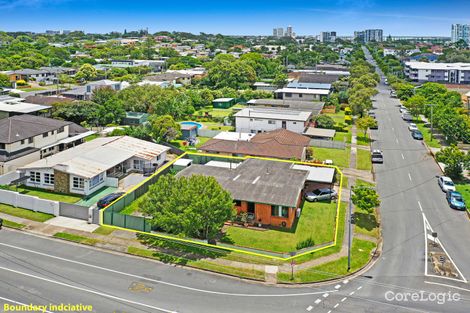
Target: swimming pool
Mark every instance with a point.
(199, 125)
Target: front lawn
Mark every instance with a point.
(45, 194)
(24, 213)
(360, 255)
(343, 136)
(363, 161)
(340, 157)
(363, 140)
(317, 222)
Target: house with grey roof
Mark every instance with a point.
(27, 138)
(268, 191)
(85, 92)
(11, 106)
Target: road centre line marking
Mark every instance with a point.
(336, 305)
(19, 303)
(351, 293)
(420, 207)
(325, 295)
(337, 286)
(359, 288)
(87, 290)
(167, 283)
(317, 301)
(402, 156)
(309, 308)
(344, 299)
(396, 140)
(409, 176)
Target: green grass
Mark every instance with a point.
(363, 161)
(343, 136)
(202, 140)
(14, 225)
(427, 136)
(340, 157)
(464, 189)
(24, 213)
(338, 117)
(201, 264)
(76, 238)
(366, 222)
(46, 194)
(91, 137)
(364, 183)
(317, 221)
(133, 207)
(103, 230)
(360, 255)
(363, 140)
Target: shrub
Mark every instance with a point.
(348, 119)
(305, 243)
(42, 84)
(21, 82)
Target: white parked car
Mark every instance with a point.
(446, 183)
(412, 127)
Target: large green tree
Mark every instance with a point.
(365, 198)
(195, 206)
(455, 161)
(164, 128)
(86, 72)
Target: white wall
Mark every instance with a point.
(41, 184)
(39, 141)
(301, 97)
(29, 202)
(246, 124)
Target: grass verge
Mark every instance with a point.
(360, 255)
(45, 194)
(201, 264)
(340, 157)
(76, 238)
(363, 161)
(427, 136)
(103, 230)
(14, 225)
(24, 213)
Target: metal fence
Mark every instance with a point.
(74, 211)
(321, 143)
(112, 215)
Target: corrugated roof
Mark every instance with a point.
(317, 174)
(259, 181)
(320, 132)
(304, 91)
(94, 157)
(275, 113)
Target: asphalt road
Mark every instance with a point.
(42, 270)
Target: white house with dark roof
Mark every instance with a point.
(94, 165)
(27, 138)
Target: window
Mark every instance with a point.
(139, 164)
(48, 179)
(238, 203)
(78, 183)
(30, 140)
(35, 177)
(60, 130)
(2, 146)
(45, 135)
(300, 95)
(288, 94)
(22, 142)
(271, 122)
(279, 211)
(98, 179)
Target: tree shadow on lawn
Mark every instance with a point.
(172, 251)
(366, 221)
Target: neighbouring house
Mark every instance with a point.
(95, 164)
(319, 78)
(224, 103)
(302, 94)
(135, 118)
(300, 85)
(268, 191)
(264, 86)
(11, 106)
(174, 78)
(449, 73)
(225, 135)
(27, 138)
(47, 75)
(86, 92)
(314, 107)
(47, 100)
(256, 120)
(280, 143)
(155, 65)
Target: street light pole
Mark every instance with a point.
(432, 129)
(349, 228)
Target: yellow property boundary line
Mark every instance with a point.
(202, 244)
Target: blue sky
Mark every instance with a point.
(411, 17)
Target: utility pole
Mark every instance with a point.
(432, 129)
(349, 229)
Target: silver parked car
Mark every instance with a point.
(446, 183)
(377, 156)
(321, 194)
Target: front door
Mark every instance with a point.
(284, 124)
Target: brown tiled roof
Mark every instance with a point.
(282, 144)
(282, 136)
(44, 100)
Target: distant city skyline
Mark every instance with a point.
(398, 18)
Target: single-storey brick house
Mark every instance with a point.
(269, 191)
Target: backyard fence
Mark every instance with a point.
(32, 203)
(208, 132)
(320, 143)
(73, 211)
